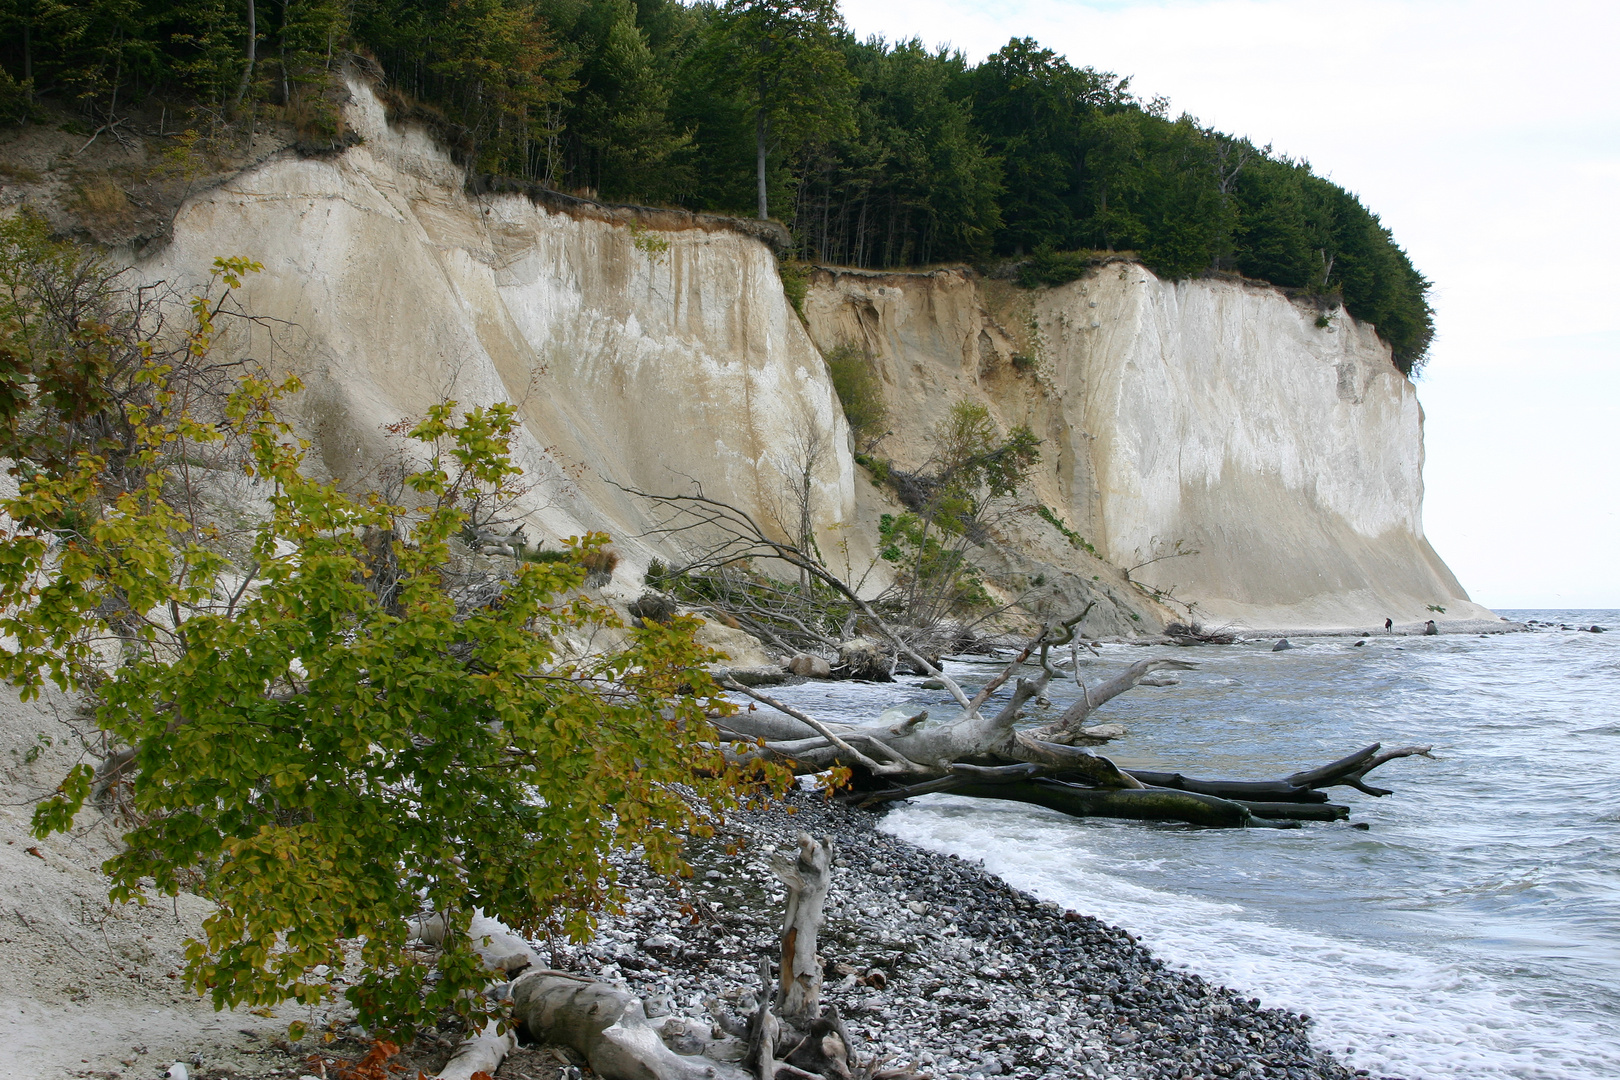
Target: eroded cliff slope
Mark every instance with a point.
(1243, 453)
(638, 357)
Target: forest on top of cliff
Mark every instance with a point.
(875, 154)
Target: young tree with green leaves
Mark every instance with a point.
(951, 502)
(326, 722)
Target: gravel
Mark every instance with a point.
(934, 962)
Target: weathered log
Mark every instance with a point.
(1242, 790)
(1141, 804)
(1291, 811)
(1350, 770)
(482, 1052)
(609, 1027)
(808, 876)
(1325, 774)
(1073, 764)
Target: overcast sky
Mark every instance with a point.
(1486, 135)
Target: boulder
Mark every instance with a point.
(653, 607)
(810, 666)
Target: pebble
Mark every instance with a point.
(934, 962)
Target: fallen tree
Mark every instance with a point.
(985, 748)
(788, 1033)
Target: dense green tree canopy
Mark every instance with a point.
(875, 153)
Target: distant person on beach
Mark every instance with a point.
(1389, 626)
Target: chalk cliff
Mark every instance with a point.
(652, 350)
(1264, 467)
(638, 357)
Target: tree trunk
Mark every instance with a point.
(760, 131)
(252, 55)
(483, 1053)
(608, 1026)
(1288, 811)
(1141, 804)
(808, 876)
(1243, 790)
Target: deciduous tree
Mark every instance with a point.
(784, 58)
(326, 721)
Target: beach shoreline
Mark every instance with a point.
(935, 962)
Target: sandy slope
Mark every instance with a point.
(86, 986)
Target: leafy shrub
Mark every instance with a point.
(655, 245)
(795, 282)
(879, 468)
(860, 392)
(938, 577)
(1052, 268)
(547, 555)
(1074, 538)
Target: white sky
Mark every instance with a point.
(1486, 135)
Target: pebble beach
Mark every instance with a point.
(937, 964)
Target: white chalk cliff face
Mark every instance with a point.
(645, 365)
(1283, 460)
(1212, 414)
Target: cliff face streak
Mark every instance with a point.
(649, 354)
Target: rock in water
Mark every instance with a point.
(1282, 643)
(810, 666)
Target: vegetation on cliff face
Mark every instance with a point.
(877, 154)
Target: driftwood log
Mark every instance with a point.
(984, 748)
(991, 755)
(788, 1035)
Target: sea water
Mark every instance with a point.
(1472, 931)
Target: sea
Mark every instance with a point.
(1471, 931)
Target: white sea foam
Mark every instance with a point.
(1393, 1012)
(1472, 934)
